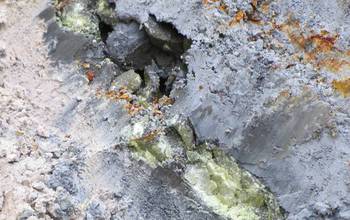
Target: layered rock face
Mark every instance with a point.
(215, 109)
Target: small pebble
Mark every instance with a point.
(43, 133)
(40, 186)
(40, 207)
(13, 157)
(25, 214)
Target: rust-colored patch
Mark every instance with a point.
(240, 16)
(156, 108)
(86, 65)
(149, 137)
(122, 94)
(285, 93)
(210, 5)
(333, 64)
(265, 7)
(283, 96)
(165, 100)
(133, 109)
(223, 8)
(249, 16)
(90, 75)
(319, 48)
(134, 105)
(62, 4)
(157, 104)
(342, 86)
(254, 3)
(254, 16)
(323, 42)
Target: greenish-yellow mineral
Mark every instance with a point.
(230, 191)
(106, 13)
(75, 17)
(216, 178)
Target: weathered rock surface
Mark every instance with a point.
(129, 80)
(165, 36)
(298, 146)
(129, 44)
(256, 125)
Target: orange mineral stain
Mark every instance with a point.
(240, 15)
(342, 86)
(90, 75)
(319, 48)
(265, 7)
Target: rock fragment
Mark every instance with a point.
(129, 79)
(40, 207)
(165, 37)
(96, 211)
(344, 215)
(128, 44)
(152, 81)
(25, 214)
(40, 186)
(13, 157)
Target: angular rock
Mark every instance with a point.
(130, 79)
(13, 157)
(128, 44)
(40, 186)
(152, 81)
(96, 211)
(63, 206)
(165, 37)
(25, 214)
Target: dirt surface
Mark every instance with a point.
(29, 100)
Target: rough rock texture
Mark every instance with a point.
(263, 88)
(249, 122)
(128, 44)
